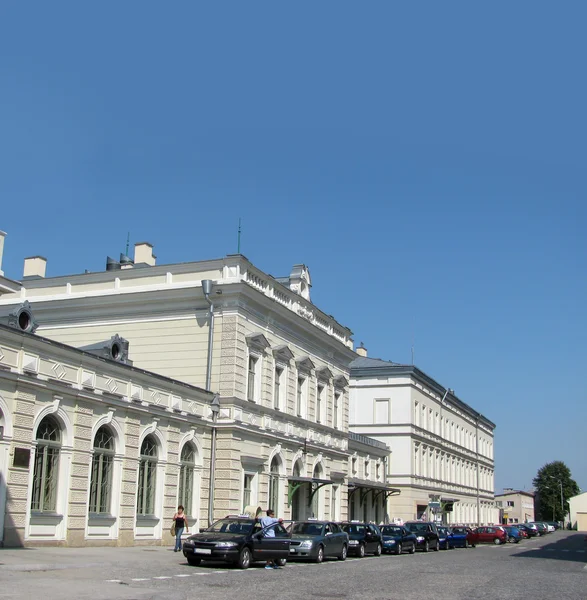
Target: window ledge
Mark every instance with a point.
(45, 518)
(101, 517)
(147, 520)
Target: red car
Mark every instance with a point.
(492, 534)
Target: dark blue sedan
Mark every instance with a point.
(397, 539)
(445, 538)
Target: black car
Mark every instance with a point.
(531, 532)
(364, 538)
(238, 540)
(397, 539)
(316, 540)
(426, 535)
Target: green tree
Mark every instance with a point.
(554, 486)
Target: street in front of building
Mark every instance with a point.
(540, 568)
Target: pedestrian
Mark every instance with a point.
(266, 522)
(180, 523)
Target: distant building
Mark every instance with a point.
(441, 448)
(578, 511)
(515, 506)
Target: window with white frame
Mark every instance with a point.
(147, 477)
(378, 471)
(46, 467)
(186, 478)
(301, 396)
(319, 402)
(248, 489)
(278, 387)
(336, 411)
(334, 503)
(354, 466)
(274, 484)
(253, 378)
(367, 469)
(101, 474)
(382, 410)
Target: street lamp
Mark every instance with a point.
(215, 408)
(560, 482)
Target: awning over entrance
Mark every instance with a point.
(295, 483)
(364, 486)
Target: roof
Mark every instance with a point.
(364, 362)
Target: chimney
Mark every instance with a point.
(2, 236)
(361, 350)
(34, 266)
(144, 254)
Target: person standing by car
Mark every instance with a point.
(180, 523)
(267, 521)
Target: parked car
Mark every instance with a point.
(464, 537)
(522, 530)
(426, 535)
(238, 540)
(444, 537)
(494, 534)
(316, 540)
(554, 524)
(397, 539)
(532, 527)
(527, 530)
(541, 527)
(364, 538)
(514, 535)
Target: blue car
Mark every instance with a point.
(463, 537)
(397, 539)
(514, 535)
(445, 538)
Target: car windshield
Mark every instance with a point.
(459, 530)
(353, 528)
(442, 530)
(311, 529)
(237, 526)
(417, 527)
(391, 530)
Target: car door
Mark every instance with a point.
(271, 543)
(375, 537)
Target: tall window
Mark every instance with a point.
(333, 502)
(101, 477)
(277, 388)
(248, 489)
(316, 497)
(300, 397)
(382, 410)
(251, 380)
(147, 477)
(46, 468)
(274, 484)
(319, 397)
(336, 410)
(185, 495)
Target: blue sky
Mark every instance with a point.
(425, 159)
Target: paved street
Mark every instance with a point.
(554, 566)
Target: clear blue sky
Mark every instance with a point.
(425, 159)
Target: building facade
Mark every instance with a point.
(578, 511)
(278, 363)
(94, 451)
(515, 506)
(441, 449)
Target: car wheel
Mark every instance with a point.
(426, 546)
(497, 541)
(320, 556)
(343, 553)
(398, 549)
(361, 551)
(378, 550)
(244, 559)
(281, 562)
(437, 546)
(194, 562)
(413, 549)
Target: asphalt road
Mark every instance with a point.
(554, 566)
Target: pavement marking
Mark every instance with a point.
(581, 551)
(114, 581)
(140, 579)
(162, 577)
(184, 575)
(563, 550)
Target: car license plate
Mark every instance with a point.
(202, 551)
(292, 550)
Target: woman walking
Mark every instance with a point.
(180, 521)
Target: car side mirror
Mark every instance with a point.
(329, 533)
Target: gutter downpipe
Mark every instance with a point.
(215, 404)
(477, 456)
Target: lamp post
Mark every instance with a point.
(215, 408)
(560, 482)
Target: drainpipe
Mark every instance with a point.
(215, 404)
(477, 456)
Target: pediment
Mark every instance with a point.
(282, 353)
(324, 373)
(257, 341)
(340, 381)
(304, 363)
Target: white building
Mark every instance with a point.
(578, 511)
(441, 448)
(279, 364)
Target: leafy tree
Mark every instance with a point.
(552, 482)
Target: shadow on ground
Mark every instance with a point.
(571, 548)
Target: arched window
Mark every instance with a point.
(274, 484)
(46, 468)
(147, 477)
(1, 425)
(101, 478)
(186, 478)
